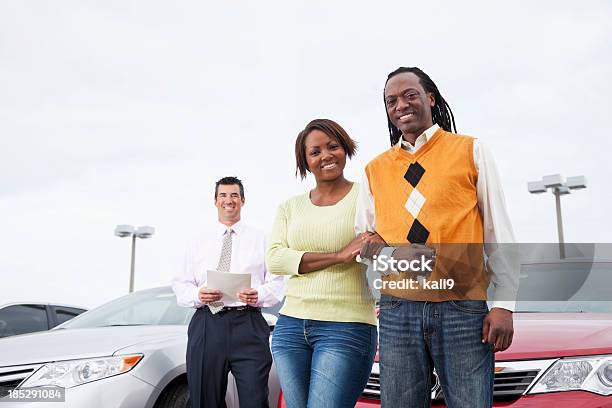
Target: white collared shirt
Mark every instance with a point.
(248, 256)
(503, 265)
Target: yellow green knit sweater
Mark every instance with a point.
(337, 293)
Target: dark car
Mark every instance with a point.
(29, 317)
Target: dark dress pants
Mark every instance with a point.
(236, 341)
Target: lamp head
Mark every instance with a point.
(145, 232)
(124, 230)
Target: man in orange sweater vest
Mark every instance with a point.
(441, 189)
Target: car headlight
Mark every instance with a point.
(580, 373)
(67, 374)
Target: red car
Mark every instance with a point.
(561, 355)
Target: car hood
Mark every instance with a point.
(68, 344)
(549, 335)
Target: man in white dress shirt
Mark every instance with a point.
(234, 336)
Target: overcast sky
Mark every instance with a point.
(127, 112)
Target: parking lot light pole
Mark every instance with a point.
(123, 231)
(559, 186)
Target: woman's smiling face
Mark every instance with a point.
(324, 155)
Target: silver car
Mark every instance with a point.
(129, 352)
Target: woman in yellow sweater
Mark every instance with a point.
(325, 338)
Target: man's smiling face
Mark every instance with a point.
(408, 105)
(229, 202)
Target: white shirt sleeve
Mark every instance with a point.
(365, 214)
(500, 248)
(186, 284)
(272, 289)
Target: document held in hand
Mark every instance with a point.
(228, 283)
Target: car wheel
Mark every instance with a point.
(177, 396)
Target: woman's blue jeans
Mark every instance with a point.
(322, 364)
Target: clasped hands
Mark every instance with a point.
(368, 244)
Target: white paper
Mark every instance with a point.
(228, 283)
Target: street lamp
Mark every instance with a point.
(123, 231)
(559, 186)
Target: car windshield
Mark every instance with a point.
(566, 286)
(148, 307)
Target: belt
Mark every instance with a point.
(238, 308)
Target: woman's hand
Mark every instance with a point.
(349, 252)
(315, 261)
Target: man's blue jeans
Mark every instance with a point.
(322, 364)
(416, 337)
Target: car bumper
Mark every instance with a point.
(569, 399)
(121, 391)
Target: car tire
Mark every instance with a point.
(177, 396)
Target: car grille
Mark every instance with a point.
(372, 388)
(509, 383)
(513, 383)
(11, 377)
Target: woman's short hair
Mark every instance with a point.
(331, 129)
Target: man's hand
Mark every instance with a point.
(497, 329)
(371, 244)
(248, 296)
(207, 295)
(372, 238)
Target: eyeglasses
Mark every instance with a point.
(406, 97)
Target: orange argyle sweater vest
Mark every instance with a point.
(430, 197)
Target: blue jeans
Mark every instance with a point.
(322, 364)
(416, 337)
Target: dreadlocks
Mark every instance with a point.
(441, 112)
